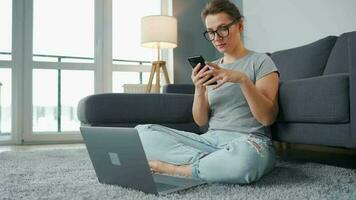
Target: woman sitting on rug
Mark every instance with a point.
(237, 148)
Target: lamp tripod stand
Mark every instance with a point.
(156, 70)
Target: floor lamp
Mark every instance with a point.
(159, 32)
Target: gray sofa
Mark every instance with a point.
(317, 98)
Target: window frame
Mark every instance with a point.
(22, 65)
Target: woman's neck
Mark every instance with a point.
(237, 53)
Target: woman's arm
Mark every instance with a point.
(262, 97)
(200, 108)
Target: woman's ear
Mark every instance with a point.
(241, 26)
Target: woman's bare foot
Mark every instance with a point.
(163, 167)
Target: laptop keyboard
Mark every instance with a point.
(164, 186)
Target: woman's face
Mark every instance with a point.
(224, 44)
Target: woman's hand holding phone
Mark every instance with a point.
(198, 81)
(199, 67)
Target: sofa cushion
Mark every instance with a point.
(323, 99)
(313, 133)
(339, 61)
(305, 61)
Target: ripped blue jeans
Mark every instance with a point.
(215, 156)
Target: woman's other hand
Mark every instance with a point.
(221, 75)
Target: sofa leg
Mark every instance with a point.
(281, 147)
(285, 146)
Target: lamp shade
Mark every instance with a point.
(159, 31)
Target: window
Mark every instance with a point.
(127, 29)
(126, 42)
(5, 101)
(64, 29)
(45, 96)
(121, 78)
(53, 112)
(63, 51)
(54, 54)
(5, 67)
(5, 27)
(72, 91)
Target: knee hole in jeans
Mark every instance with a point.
(255, 145)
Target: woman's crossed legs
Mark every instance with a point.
(213, 157)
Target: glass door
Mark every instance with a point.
(5, 70)
(62, 67)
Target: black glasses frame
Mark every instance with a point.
(227, 27)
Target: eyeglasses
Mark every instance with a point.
(223, 31)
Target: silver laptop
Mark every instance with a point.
(119, 159)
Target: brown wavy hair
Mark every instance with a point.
(219, 6)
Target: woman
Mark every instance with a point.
(238, 109)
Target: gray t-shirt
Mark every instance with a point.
(229, 108)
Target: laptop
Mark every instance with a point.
(118, 158)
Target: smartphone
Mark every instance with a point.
(194, 60)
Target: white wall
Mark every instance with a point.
(280, 24)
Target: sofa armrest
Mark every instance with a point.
(322, 99)
(179, 88)
(113, 108)
(352, 69)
